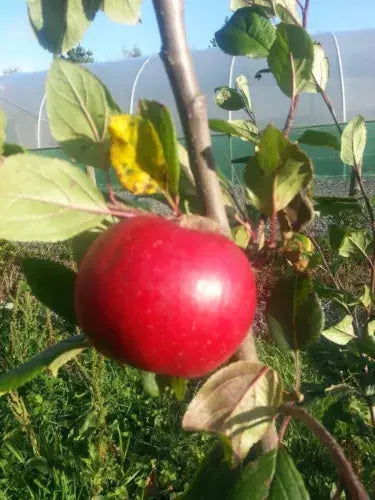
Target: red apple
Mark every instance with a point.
(164, 298)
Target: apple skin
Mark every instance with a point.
(163, 298)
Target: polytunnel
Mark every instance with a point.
(351, 89)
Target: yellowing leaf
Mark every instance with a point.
(137, 155)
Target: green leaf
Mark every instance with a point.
(51, 359)
(295, 41)
(228, 98)
(12, 149)
(187, 188)
(61, 24)
(277, 173)
(330, 205)
(287, 483)
(353, 141)
(244, 129)
(241, 236)
(150, 385)
(243, 88)
(287, 11)
(342, 333)
(177, 385)
(336, 234)
(320, 71)
(294, 313)
(367, 346)
(123, 11)
(162, 120)
(79, 107)
(239, 401)
(214, 478)
(334, 294)
(366, 297)
(273, 476)
(267, 5)
(53, 284)
(249, 32)
(46, 199)
(155, 384)
(318, 138)
(355, 243)
(256, 479)
(371, 328)
(348, 242)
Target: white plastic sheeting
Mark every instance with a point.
(351, 88)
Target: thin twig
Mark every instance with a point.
(246, 224)
(305, 13)
(173, 203)
(343, 466)
(297, 368)
(371, 216)
(125, 212)
(284, 426)
(191, 105)
(272, 239)
(330, 107)
(336, 281)
(300, 5)
(372, 411)
(111, 194)
(291, 115)
(295, 96)
(293, 99)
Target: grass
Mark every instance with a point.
(92, 432)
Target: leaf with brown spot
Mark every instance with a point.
(296, 216)
(239, 401)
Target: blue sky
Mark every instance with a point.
(18, 46)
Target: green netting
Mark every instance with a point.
(326, 161)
